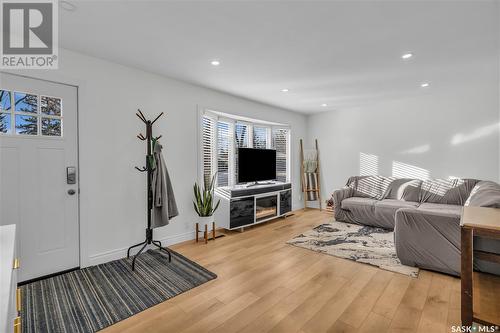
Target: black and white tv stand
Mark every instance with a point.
(243, 206)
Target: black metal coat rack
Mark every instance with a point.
(149, 170)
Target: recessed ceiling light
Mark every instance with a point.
(424, 85)
(284, 90)
(215, 62)
(67, 6)
(324, 104)
(407, 56)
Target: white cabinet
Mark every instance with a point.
(10, 296)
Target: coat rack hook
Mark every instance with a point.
(158, 137)
(141, 170)
(161, 114)
(142, 115)
(141, 137)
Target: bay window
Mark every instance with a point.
(221, 135)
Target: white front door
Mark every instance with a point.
(38, 172)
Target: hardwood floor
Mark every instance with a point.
(265, 285)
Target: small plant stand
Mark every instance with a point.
(205, 232)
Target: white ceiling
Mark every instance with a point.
(343, 53)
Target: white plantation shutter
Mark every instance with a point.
(225, 132)
(280, 137)
(260, 137)
(220, 137)
(241, 135)
(208, 148)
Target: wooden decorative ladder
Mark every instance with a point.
(307, 188)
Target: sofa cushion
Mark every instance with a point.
(354, 202)
(440, 209)
(385, 211)
(367, 186)
(447, 191)
(406, 189)
(485, 194)
(388, 187)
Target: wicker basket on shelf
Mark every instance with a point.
(329, 205)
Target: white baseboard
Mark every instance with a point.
(104, 257)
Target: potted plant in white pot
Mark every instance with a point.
(204, 205)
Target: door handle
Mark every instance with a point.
(71, 191)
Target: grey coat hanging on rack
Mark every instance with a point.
(164, 206)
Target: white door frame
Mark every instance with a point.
(80, 86)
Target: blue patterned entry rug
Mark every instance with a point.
(90, 299)
(369, 245)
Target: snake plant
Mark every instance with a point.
(204, 198)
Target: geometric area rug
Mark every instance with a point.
(92, 298)
(365, 244)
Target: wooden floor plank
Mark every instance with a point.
(301, 314)
(375, 323)
(268, 320)
(435, 314)
(360, 308)
(211, 321)
(331, 311)
(407, 316)
(267, 285)
(341, 327)
(389, 301)
(238, 322)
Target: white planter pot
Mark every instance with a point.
(205, 221)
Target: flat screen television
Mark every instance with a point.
(256, 165)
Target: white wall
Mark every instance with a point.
(112, 199)
(448, 129)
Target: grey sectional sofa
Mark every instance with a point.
(425, 216)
